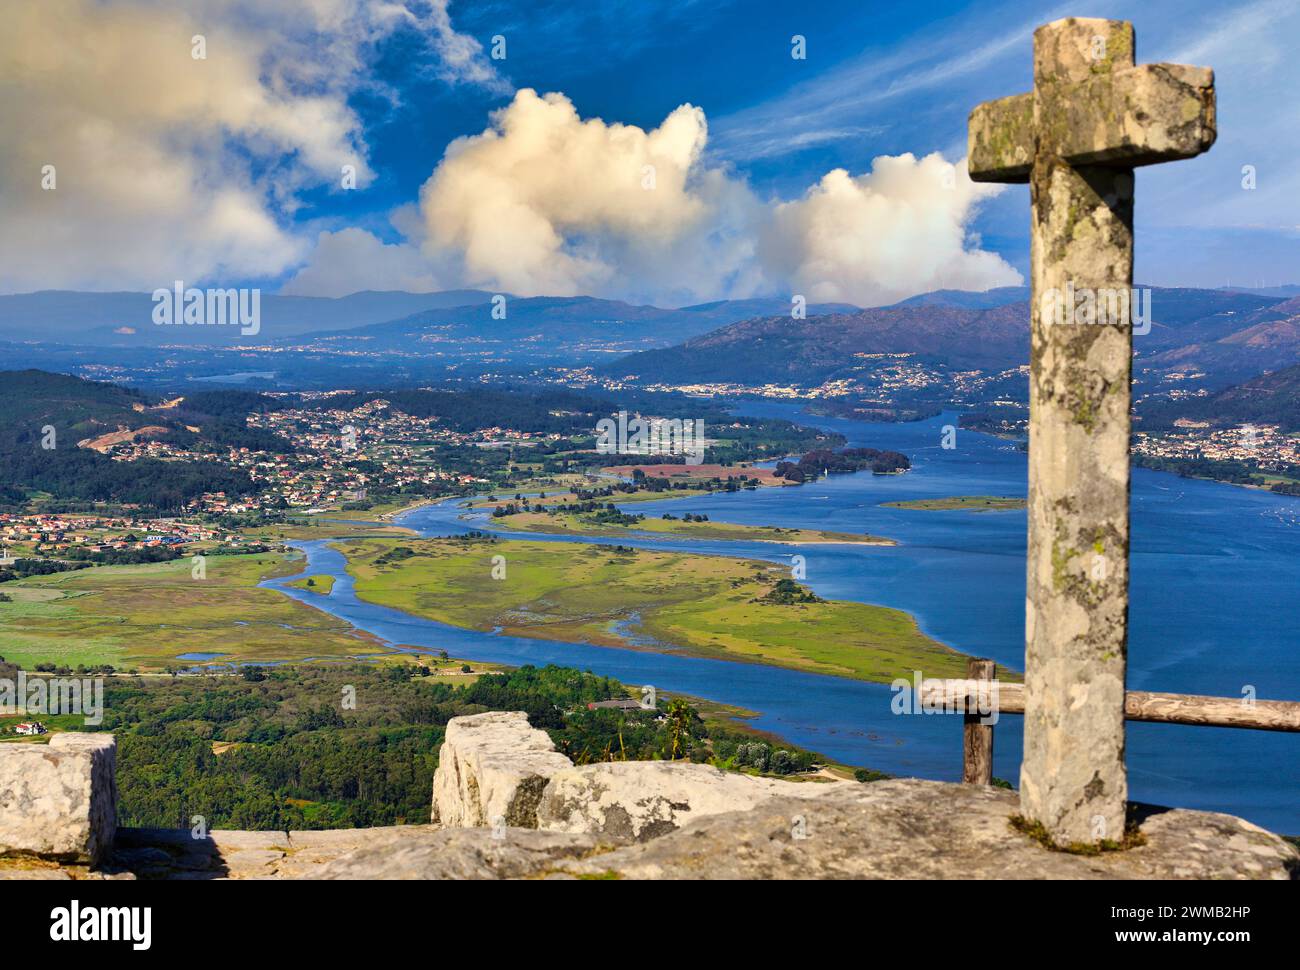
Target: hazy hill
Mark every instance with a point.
(1232, 346)
(568, 328)
(728, 311)
(1285, 291)
(969, 299)
(781, 350)
(125, 319)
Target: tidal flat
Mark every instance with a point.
(659, 600)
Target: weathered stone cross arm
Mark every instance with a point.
(1092, 106)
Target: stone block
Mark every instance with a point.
(491, 771)
(59, 800)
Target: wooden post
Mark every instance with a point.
(977, 738)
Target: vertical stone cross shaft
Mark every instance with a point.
(1092, 117)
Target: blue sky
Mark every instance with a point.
(392, 91)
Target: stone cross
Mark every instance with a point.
(1090, 120)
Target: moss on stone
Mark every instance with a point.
(1037, 831)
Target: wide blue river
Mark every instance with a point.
(1215, 578)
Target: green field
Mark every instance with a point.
(145, 616)
(654, 600)
(572, 523)
(961, 503)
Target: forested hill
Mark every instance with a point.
(474, 408)
(1268, 399)
(816, 349)
(37, 397)
(45, 418)
(81, 410)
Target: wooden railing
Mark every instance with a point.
(982, 694)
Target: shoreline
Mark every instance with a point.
(571, 524)
(392, 516)
(880, 541)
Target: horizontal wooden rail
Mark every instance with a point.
(985, 696)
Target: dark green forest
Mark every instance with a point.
(43, 416)
(814, 463)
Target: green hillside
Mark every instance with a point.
(1272, 398)
(44, 416)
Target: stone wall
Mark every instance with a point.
(507, 805)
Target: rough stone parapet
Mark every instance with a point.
(58, 801)
(636, 801)
(625, 820)
(900, 829)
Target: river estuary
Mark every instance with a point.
(1214, 610)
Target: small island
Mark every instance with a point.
(961, 503)
(322, 584)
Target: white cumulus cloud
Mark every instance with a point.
(169, 167)
(350, 260)
(895, 231)
(536, 203)
(546, 202)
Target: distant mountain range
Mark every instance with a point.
(1214, 338)
(450, 323)
(546, 327)
(126, 319)
(1231, 334)
(1285, 291)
